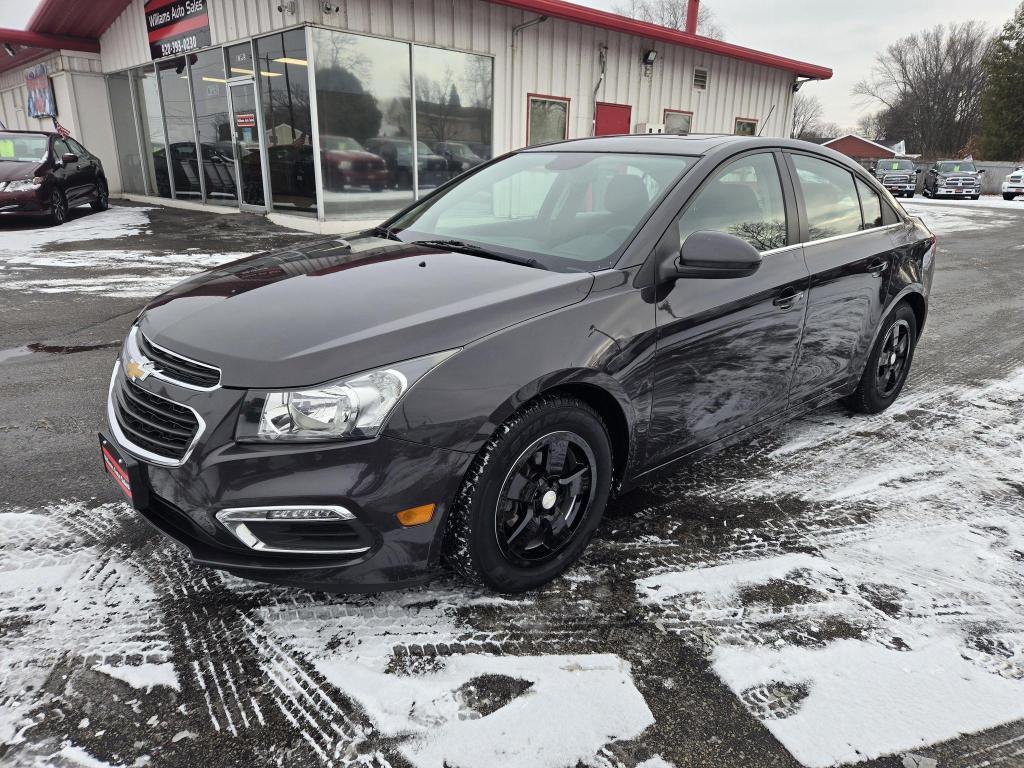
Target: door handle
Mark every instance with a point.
(788, 298)
(877, 267)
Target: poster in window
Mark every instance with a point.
(40, 92)
(175, 27)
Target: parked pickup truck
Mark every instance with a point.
(953, 178)
(1014, 184)
(899, 176)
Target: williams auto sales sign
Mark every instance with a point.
(177, 26)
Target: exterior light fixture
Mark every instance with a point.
(648, 57)
(9, 49)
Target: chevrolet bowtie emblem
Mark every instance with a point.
(137, 370)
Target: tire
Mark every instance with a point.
(403, 180)
(102, 201)
(910, 195)
(376, 187)
(975, 197)
(58, 207)
(874, 394)
(488, 537)
(1008, 196)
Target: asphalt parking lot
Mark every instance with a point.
(844, 589)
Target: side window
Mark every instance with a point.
(743, 198)
(77, 148)
(870, 204)
(830, 197)
(60, 148)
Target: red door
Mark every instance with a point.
(612, 118)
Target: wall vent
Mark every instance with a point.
(700, 79)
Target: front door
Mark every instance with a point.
(727, 347)
(245, 119)
(612, 119)
(849, 252)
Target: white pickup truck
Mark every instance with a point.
(1013, 185)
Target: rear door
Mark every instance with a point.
(727, 347)
(849, 249)
(72, 172)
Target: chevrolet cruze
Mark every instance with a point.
(471, 381)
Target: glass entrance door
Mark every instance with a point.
(245, 119)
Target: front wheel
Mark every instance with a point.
(910, 195)
(975, 197)
(888, 364)
(58, 207)
(102, 201)
(1008, 196)
(533, 497)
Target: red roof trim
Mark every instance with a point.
(52, 42)
(559, 9)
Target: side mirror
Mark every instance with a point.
(981, 170)
(712, 255)
(917, 171)
(69, 157)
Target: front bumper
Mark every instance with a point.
(954, 191)
(1016, 189)
(24, 201)
(373, 479)
(900, 188)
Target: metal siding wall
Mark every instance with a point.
(555, 57)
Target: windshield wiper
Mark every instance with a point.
(476, 250)
(381, 231)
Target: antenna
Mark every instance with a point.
(766, 119)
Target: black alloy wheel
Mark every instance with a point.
(545, 497)
(888, 364)
(532, 497)
(58, 207)
(893, 358)
(102, 201)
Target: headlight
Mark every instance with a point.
(350, 408)
(23, 184)
(344, 165)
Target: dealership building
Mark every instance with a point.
(329, 114)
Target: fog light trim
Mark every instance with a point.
(235, 521)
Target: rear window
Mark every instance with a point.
(23, 147)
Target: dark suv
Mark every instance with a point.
(43, 174)
(953, 178)
(899, 176)
(470, 381)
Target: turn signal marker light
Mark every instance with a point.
(417, 515)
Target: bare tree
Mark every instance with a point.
(870, 126)
(672, 14)
(807, 112)
(930, 86)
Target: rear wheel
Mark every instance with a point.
(102, 201)
(888, 364)
(533, 497)
(58, 207)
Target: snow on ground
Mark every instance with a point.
(945, 217)
(895, 634)
(986, 201)
(65, 259)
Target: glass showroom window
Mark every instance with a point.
(213, 123)
(283, 79)
(126, 134)
(181, 135)
(547, 119)
(154, 143)
(454, 112)
(365, 123)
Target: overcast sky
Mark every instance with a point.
(839, 34)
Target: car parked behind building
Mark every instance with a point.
(1013, 185)
(953, 178)
(44, 174)
(898, 175)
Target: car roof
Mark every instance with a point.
(29, 133)
(673, 144)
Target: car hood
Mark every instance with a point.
(11, 170)
(298, 317)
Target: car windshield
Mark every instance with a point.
(23, 147)
(568, 211)
(895, 165)
(340, 143)
(958, 166)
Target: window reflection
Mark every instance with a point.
(743, 199)
(454, 112)
(829, 196)
(151, 122)
(548, 119)
(283, 80)
(126, 136)
(209, 91)
(181, 136)
(365, 123)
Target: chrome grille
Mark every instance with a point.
(153, 423)
(894, 178)
(178, 369)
